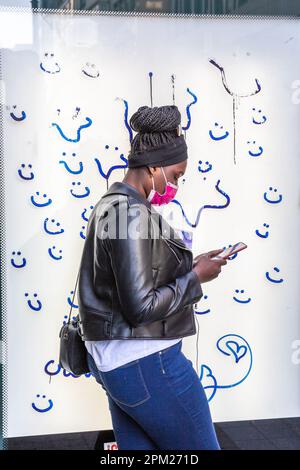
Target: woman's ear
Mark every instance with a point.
(152, 170)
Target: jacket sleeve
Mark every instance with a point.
(131, 262)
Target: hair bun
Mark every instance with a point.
(157, 119)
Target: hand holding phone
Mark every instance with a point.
(230, 251)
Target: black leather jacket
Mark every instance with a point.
(141, 287)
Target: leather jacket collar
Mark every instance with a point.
(120, 187)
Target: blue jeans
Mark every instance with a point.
(158, 402)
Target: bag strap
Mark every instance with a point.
(69, 319)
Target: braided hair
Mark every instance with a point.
(154, 127)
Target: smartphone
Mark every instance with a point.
(231, 250)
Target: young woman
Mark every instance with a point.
(136, 294)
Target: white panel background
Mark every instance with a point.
(125, 50)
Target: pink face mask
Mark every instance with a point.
(158, 199)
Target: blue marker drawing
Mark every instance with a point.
(208, 167)
(16, 265)
(263, 235)
(69, 169)
(206, 206)
(220, 137)
(256, 121)
(87, 190)
(203, 312)
(40, 204)
(271, 201)
(56, 258)
(276, 281)
(50, 59)
(37, 307)
(89, 122)
(20, 172)
(48, 230)
(70, 301)
(238, 352)
(48, 372)
(42, 410)
(255, 154)
(188, 114)
(126, 118)
(17, 118)
(84, 212)
(81, 233)
(240, 300)
(112, 168)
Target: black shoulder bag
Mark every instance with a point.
(73, 353)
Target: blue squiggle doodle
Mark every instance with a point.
(229, 344)
(126, 119)
(114, 167)
(83, 126)
(48, 372)
(188, 114)
(206, 206)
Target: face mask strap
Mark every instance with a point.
(164, 174)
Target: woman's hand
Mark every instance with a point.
(206, 268)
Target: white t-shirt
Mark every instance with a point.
(110, 354)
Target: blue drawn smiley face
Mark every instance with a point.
(44, 200)
(19, 117)
(73, 171)
(70, 301)
(272, 201)
(265, 234)
(271, 279)
(82, 232)
(48, 230)
(256, 151)
(239, 300)
(49, 64)
(218, 133)
(38, 304)
(84, 212)
(21, 174)
(14, 263)
(258, 117)
(206, 169)
(81, 195)
(202, 312)
(90, 70)
(42, 408)
(52, 255)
